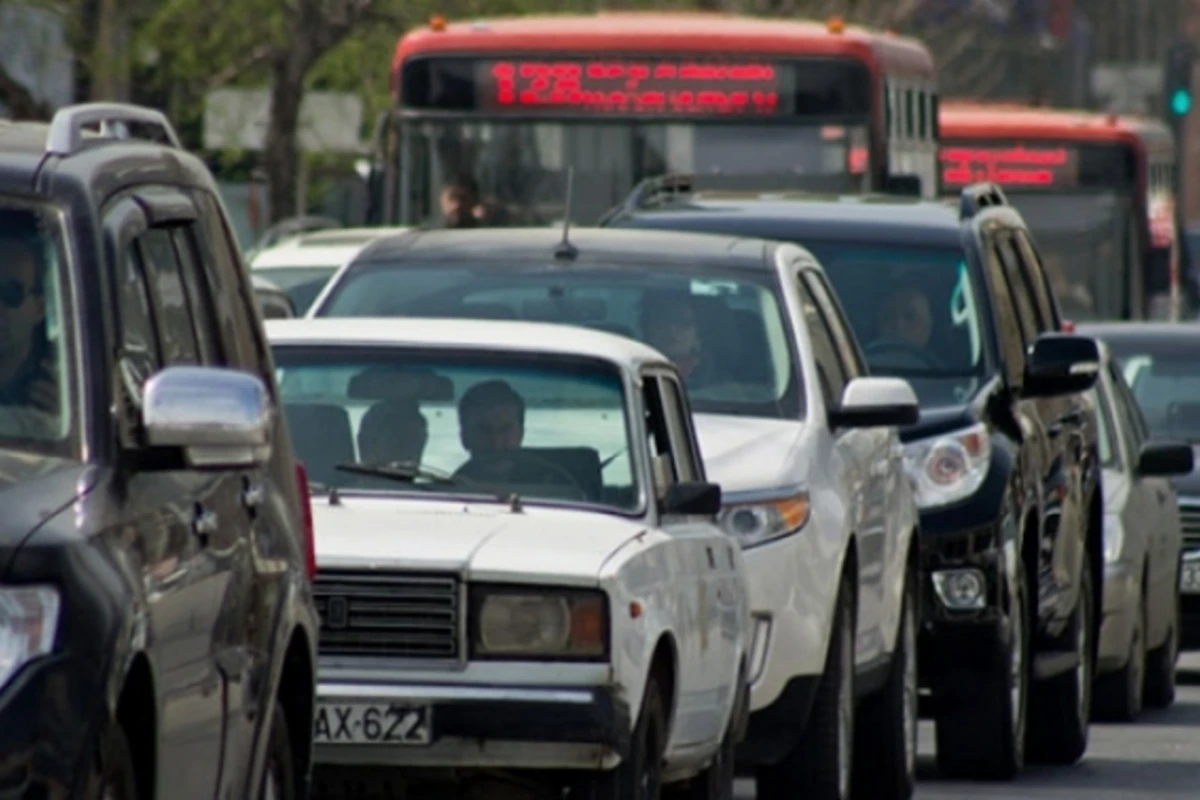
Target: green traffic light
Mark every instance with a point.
(1181, 102)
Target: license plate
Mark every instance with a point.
(1189, 579)
(372, 723)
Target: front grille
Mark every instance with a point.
(388, 614)
(1189, 521)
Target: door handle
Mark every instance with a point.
(205, 523)
(253, 494)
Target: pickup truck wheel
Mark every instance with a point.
(981, 717)
(639, 776)
(1061, 706)
(279, 772)
(885, 743)
(118, 781)
(1117, 696)
(821, 766)
(1161, 661)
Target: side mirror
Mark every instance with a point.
(1061, 363)
(692, 499)
(874, 402)
(1165, 458)
(220, 418)
(904, 185)
(273, 302)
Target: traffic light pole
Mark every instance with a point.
(1178, 101)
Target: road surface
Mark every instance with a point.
(1156, 758)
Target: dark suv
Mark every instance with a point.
(157, 628)
(1004, 457)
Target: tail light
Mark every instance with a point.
(310, 538)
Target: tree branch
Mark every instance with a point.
(20, 100)
(256, 57)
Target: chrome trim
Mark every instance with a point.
(436, 693)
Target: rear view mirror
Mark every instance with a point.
(1165, 459)
(875, 402)
(692, 499)
(1061, 363)
(220, 418)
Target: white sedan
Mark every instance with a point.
(519, 568)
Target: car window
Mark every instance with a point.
(839, 328)
(140, 347)
(1039, 282)
(831, 374)
(1125, 408)
(1018, 288)
(1104, 437)
(1166, 389)
(199, 297)
(173, 314)
(687, 461)
(545, 428)
(724, 328)
(1008, 325)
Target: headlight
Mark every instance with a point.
(530, 622)
(1114, 538)
(757, 523)
(947, 468)
(28, 626)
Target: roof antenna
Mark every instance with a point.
(566, 251)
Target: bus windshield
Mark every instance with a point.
(1088, 244)
(520, 167)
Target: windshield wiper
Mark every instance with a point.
(408, 472)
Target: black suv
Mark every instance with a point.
(157, 628)
(1004, 458)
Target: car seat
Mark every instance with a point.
(321, 438)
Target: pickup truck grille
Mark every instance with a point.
(380, 614)
(1189, 521)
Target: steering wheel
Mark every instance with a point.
(890, 345)
(521, 467)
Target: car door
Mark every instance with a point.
(163, 504)
(857, 450)
(697, 719)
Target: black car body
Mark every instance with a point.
(1161, 362)
(155, 560)
(1027, 535)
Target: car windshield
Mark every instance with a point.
(35, 400)
(1166, 384)
(301, 284)
(393, 419)
(915, 311)
(725, 329)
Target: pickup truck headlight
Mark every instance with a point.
(948, 468)
(758, 523)
(531, 622)
(28, 626)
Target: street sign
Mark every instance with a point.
(330, 122)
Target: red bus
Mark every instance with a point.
(1097, 190)
(628, 95)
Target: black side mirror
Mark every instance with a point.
(904, 185)
(1165, 458)
(692, 499)
(1061, 363)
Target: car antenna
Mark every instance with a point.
(565, 251)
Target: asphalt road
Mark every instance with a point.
(1156, 757)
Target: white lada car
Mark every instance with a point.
(519, 568)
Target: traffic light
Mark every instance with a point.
(1178, 80)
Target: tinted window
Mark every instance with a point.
(199, 299)
(1008, 325)
(1018, 288)
(139, 341)
(174, 317)
(724, 329)
(914, 311)
(1047, 313)
(1166, 386)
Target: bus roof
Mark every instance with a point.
(959, 119)
(658, 32)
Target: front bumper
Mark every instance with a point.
(510, 727)
(1120, 613)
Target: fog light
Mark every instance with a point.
(960, 589)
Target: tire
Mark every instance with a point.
(1061, 707)
(638, 777)
(821, 767)
(116, 776)
(1161, 663)
(1117, 697)
(982, 716)
(279, 770)
(885, 733)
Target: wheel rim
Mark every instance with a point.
(911, 691)
(845, 713)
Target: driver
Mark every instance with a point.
(669, 325)
(905, 316)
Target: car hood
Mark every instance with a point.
(33, 489)
(1189, 485)
(487, 541)
(750, 454)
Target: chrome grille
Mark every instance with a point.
(389, 614)
(1189, 521)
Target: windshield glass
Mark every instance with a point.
(516, 171)
(725, 330)
(34, 387)
(1166, 385)
(301, 284)
(547, 429)
(915, 311)
(1088, 246)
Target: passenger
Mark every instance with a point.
(669, 325)
(27, 375)
(393, 432)
(905, 316)
(460, 203)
